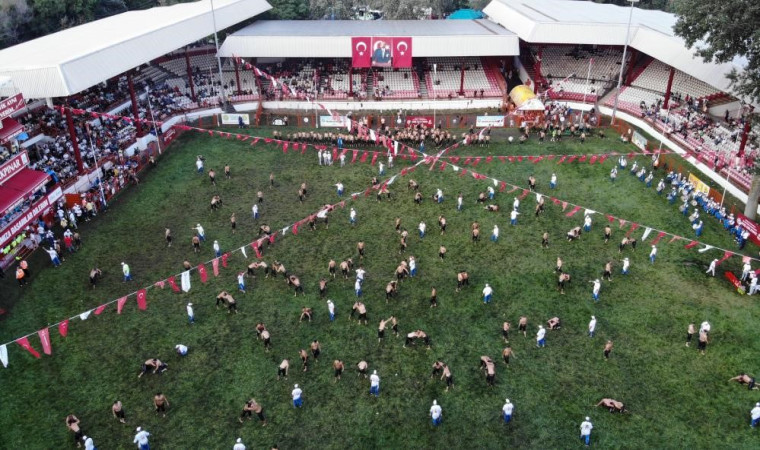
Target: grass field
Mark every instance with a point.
(677, 398)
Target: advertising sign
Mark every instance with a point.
(699, 185)
(489, 121)
(10, 105)
(332, 121)
(233, 119)
(13, 166)
(425, 121)
(639, 140)
(30, 215)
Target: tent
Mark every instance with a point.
(525, 100)
(466, 14)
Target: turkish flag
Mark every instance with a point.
(402, 52)
(173, 283)
(257, 249)
(224, 259)
(24, 342)
(63, 328)
(215, 266)
(44, 335)
(142, 302)
(361, 52)
(202, 272)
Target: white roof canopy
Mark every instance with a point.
(72, 60)
(584, 22)
(332, 38)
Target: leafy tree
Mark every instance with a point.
(14, 15)
(107, 8)
(723, 30)
(289, 9)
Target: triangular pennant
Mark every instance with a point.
(726, 254)
(120, 304)
(660, 235)
(489, 159)
(99, 310)
(564, 205)
(44, 335)
(257, 248)
(215, 266)
(364, 157)
(691, 244)
(24, 342)
(85, 315)
(610, 218)
(225, 257)
(160, 284)
(634, 226)
(622, 223)
(356, 153)
(646, 234)
(374, 158)
(573, 211)
(525, 193)
(4, 355)
(561, 160)
(502, 186)
(675, 238)
(242, 250)
(271, 237)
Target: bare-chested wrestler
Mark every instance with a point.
(160, 402)
(338, 367)
(362, 368)
(305, 314)
(117, 409)
(282, 369)
(612, 404)
(463, 279)
(506, 354)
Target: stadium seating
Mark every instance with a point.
(655, 78)
(396, 83)
(448, 78)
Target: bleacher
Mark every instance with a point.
(448, 77)
(560, 62)
(397, 83)
(655, 78)
(338, 85)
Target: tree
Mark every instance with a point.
(289, 9)
(107, 8)
(723, 30)
(14, 15)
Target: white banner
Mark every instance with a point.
(331, 121)
(234, 119)
(489, 121)
(639, 140)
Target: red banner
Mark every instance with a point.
(361, 52)
(402, 52)
(142, 301)
(44, 335)
(202, 272)
(13, 166)
(425, 121)
(63, 328)
(749, 225)
(173, 283)
(11, 105)
(24, 342)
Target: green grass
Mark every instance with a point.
(677, 398)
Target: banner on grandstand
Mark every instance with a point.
(10, 105)
(749, 225)
(489, 121)
(169, 135)
(37, 209)
(425, 121)
(332, 121)
(234, 119)
(13, 166)
(639, 140)
(698, 184)
(361, 52)
(381, 51)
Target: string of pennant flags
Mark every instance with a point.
(185, 283)
(575, 208)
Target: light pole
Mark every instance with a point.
(97, 169)
(622, 64)
(585, 89)
(219, 58)
(435, 97)
(152, 119)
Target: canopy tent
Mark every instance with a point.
(332, 38)
(464, 14)
(11, 128)
(18, 187)
(524, 98)
(589, 23)
(72, 60)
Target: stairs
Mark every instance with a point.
(370, 84)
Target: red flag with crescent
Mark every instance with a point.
(63, 328)
(203, 273)
(361, 52)
(142, 300)
(402, 52)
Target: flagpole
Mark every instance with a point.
(588, 77)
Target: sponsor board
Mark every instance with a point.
(425, 121)
(749, 225)
(489, 121)
(639, 140)
(699, 185)
(233, 119)
(13, 166)
(37, 209)
(332, 121)
(10, 105)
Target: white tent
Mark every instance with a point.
(72, 60)
(584, 22)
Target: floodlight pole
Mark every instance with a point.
(153, 119)
(97, 168)
(218, 58)
(622, 64)
(435, 97)
(588, 77)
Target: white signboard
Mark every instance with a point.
(332, 121)
(234, 119)
(489, 121)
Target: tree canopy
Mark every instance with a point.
(721, 30)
